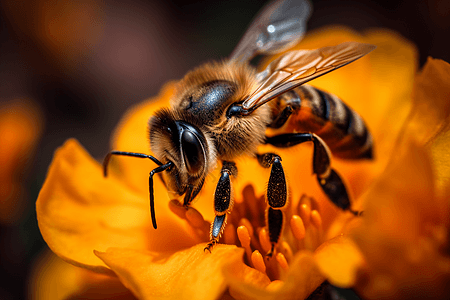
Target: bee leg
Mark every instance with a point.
(330, 182)
(282, 117)
(161, 167)
(276, 196)
(223, 202)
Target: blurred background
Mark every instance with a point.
(71, 68)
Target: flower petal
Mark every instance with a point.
(403, 257)
(339, 259)
(431, 106)
(79, 210)
(188, 274)
(430, 118)
(53, 278)
(300, 281)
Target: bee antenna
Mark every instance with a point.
(150, 187)
(133, 154)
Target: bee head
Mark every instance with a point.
(186, 146)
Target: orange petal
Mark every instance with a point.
(53, 278)
(79, 210)
(338, 260)
(398, 210)
(401, 200)
(430, 120)
(431, 107)
(188, 274)
(300, 281)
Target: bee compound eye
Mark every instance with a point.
(193, 152)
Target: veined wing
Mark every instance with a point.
(279, 26)
(297, 67)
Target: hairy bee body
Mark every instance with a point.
(203, 97)
(221, 111)
(326, 115)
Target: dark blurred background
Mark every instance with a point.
(83, 63)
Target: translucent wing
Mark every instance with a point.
(297, 67)
(279, 26)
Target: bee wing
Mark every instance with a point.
(297, 67)
(279, 26)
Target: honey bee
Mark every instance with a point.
(221, 111)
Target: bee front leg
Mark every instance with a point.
(330, 182)
(276, 197)
(223, 202)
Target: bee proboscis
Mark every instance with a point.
(221, 110)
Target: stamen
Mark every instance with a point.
(258, 261)
(245, 222)
(297, 227)
(177, 208)
(244, 238)
(282, 261)
(264, 240)
(195, 218)
(287, 251)
(305, 214)
(229, 234)
(274, 285)
(316, 219)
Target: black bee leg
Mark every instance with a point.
(223, 202)
(327, 177)
(282, 117)
(276, 196)
(150, 189)
(161, 167)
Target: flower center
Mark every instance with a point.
(246, 227)
(302, 230)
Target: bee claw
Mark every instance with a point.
(209, 246)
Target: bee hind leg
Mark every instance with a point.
(330, 182)
(276, 197)
(223, 203)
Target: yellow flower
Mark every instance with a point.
(103, 224)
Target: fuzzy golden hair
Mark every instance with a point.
(232, 136)
(241, 74)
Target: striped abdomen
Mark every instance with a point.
(324, 114)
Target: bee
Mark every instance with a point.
(221, 111)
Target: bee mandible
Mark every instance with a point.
(220, 111)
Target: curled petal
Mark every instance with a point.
(300, 281)
(431, 107)
(430, 118)
(399, 236)
(339, 259)
(188, 274)
(79, 210)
